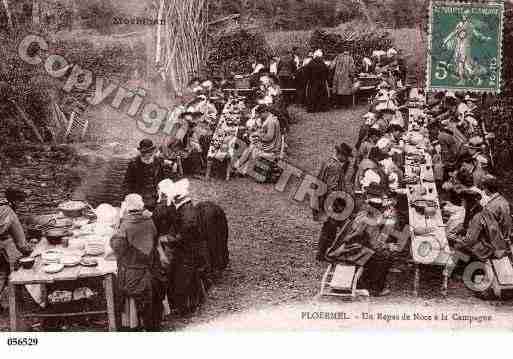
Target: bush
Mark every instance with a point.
(235, 52)
(360, 42)
(24, 84)
(115, 60)
(97, 15)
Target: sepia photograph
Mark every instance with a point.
(190, 166)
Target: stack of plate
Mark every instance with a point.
(95, 247)
(51, 256)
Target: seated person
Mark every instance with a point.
(10, 229)
(270, 140)
(369, 119)
(368, 143)
(484, 239)
(497, 204)
(188, 151)
(369, 171)
(453, 212)
(144, 172)
(362, 243)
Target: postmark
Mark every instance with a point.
(465, 46)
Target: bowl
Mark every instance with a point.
(72, 209)
(27, 262)
(54, 236)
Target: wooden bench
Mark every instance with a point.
(340, 280)
(503, 275)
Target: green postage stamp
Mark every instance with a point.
(465, 46)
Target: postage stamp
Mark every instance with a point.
(465, 46)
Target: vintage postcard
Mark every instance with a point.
(192, 165)
(465, 46)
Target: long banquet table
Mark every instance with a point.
(430, 249)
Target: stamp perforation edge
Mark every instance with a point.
(492, 3)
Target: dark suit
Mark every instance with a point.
(142, 178)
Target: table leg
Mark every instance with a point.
(445, 281)
(228, 169)
(416, 280)
(209, 170)
(13, 308)
(109, 297)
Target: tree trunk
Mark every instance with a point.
(365, 10)
(159, 44)
(8, 13)
(180, 51)
(35, 13)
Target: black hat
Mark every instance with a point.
(344, 149)
(193, 114)
(465, 178)
(395, 127)
(260, 109)
(375, 190)
(146, 146)
(374, 132)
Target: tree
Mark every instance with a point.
(365, 10)
(180, 43)
(8, 14)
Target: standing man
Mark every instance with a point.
(343, 78)
(317, 75)
(333, 173)
(144, 172)
(286, 73)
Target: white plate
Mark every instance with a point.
(51, 256)
(53, 268)
(71, 261)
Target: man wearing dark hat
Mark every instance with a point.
(144, 172)
(333, 174)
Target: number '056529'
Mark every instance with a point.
(22, 341)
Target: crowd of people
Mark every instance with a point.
(167, 245)
(321, 81)
(252, 108)
(477, 216)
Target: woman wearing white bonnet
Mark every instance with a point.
(132, 203)
(191, 269)
(135, 246)
(165, 190)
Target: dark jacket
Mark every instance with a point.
(484, 239)
(359, 240)
(143, 179)
(333, 174)
(286, 67)
(190, 265)
(317, 76)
